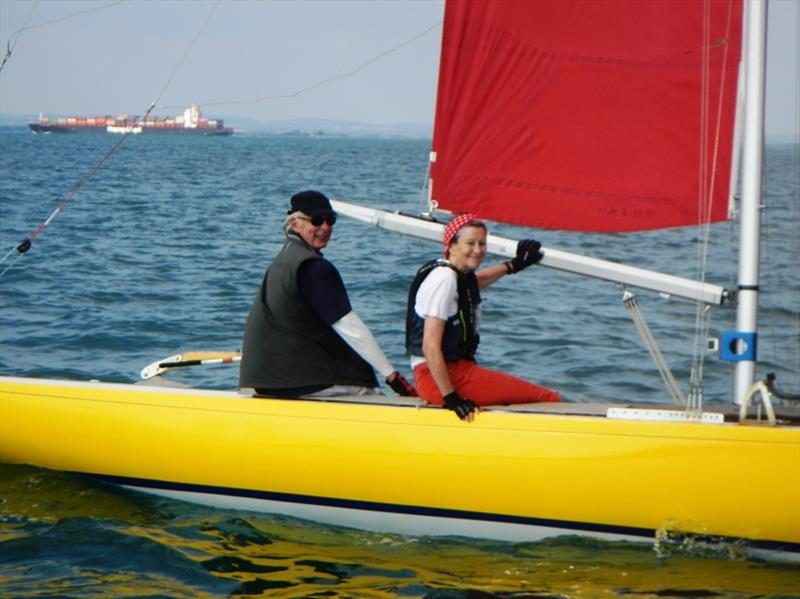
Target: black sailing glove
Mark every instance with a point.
(528, 252)
(401, 386)
(462, 407)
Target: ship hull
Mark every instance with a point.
(37, 128)
(222, 131)
(395, 467)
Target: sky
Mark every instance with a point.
(380, 59)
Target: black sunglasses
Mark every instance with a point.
(318, 220)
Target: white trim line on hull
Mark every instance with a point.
(384, 522)
(417, 525)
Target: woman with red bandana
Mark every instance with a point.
(443, 319)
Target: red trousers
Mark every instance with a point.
(483, 386)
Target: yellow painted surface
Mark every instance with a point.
(741, 481)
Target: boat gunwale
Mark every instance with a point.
(789, 416)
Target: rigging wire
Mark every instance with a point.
(25, 244)
(313, 86)
(11, 45)
(709, 143)
(629, 299)
(425, 190)
(795, 205)
(791, 355)
(18, 33)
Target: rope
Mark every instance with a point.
(424, 193)
(10, 45)
(795, 205)
(649, 341)
(185, 54)
(319, 83)
(758, 387)
(790, 355)
(25, 27)
(10, 264)
(707, 175)
(703, 202)
(25, 244)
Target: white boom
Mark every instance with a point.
(568, 262)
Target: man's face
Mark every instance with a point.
(317, 236)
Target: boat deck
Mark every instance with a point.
(786, 412)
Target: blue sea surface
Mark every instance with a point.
(162, 252)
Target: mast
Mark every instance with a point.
(749, 237)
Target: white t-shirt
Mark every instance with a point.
(438, 297)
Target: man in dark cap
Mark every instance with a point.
(302, 337)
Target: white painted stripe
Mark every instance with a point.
(384, 522)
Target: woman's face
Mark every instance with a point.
(469, 249)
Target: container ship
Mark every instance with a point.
(191, 123)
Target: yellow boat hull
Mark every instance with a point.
(530, 473)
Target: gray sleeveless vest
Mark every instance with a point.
(285, 343)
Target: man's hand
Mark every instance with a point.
(400, 385)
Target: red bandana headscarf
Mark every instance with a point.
(454, 226)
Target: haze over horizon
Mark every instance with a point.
(344, 60)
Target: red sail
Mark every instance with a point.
(595, 115)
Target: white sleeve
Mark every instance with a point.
(438, 294)
(356, 334)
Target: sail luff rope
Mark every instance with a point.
(24, 245)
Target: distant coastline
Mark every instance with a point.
(329, 128)
(292, 128)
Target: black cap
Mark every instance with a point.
(311, 203)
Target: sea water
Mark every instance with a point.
(162, 251)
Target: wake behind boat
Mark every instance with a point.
(611, 470)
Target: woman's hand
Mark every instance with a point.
(529, 251)
(464, 408)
